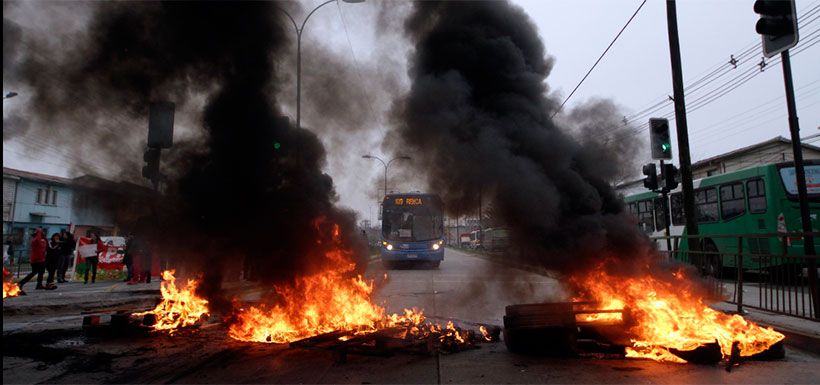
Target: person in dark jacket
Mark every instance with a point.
(92, 261)
(67, 246)
(53, 255)
(128, 257)
(38, 261)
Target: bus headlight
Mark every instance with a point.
(388, 247)
(436, 246)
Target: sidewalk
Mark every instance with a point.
(64, 307)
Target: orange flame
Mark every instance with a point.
(179, 307)
(669, 314)
(327, 301)
(10, 289)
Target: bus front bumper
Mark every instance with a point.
(412, 255)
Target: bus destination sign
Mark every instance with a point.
(408, 201)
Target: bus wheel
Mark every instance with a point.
(714, 261)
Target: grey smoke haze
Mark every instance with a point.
(477, 118)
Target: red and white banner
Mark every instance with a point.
(109, 258)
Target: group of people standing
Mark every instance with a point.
(53, 256)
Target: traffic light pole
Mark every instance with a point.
(800, 175)
(666, 217)
(680, 121)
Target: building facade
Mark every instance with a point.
(81, 205)
(775, 150)
(33, 201)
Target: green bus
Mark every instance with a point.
(756, 200)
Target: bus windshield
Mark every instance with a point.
(412, 223)
(787, 174)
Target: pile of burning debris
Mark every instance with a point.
(640, 317)
(182, 309)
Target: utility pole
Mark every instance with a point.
(680, 122)
(800, 175)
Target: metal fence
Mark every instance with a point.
(779, 283)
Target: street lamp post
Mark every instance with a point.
(386, 165)
(9, 95)
(299, 31)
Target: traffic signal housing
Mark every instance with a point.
(659, 140)
(669, 174)
(651, 180)
(777, 25)
(151, 168)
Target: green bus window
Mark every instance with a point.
(757, 196)
(660, 218)
(645, 215)
(732, 201)
(676, 206)
(706, 205)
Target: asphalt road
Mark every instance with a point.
(465, 287)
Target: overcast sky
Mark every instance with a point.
(728, 107)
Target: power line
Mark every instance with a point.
(599, 59)
(712, 74)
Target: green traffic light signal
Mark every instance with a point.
(659, 140)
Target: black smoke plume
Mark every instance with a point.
(478, 119)
(247, 190)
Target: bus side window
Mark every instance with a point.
(676, 205)
(646, 216)
(757, 196)
(732, 201)
(660, 213)
(706, 205)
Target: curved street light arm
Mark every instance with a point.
(295, 27)
(311, 13)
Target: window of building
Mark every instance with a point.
(48, 196)
(711, 172)
(732, 201)
(54, 197)
(706, 205)
(39, 195)
(757, 196)
(676, 206)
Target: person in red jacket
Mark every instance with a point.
(38, 261)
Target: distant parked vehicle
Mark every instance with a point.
(464, 241)
(475, 239)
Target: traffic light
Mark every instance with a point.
(651, 180)
(669, 173)
(151, 168)
(659, 139)
(777, 24)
